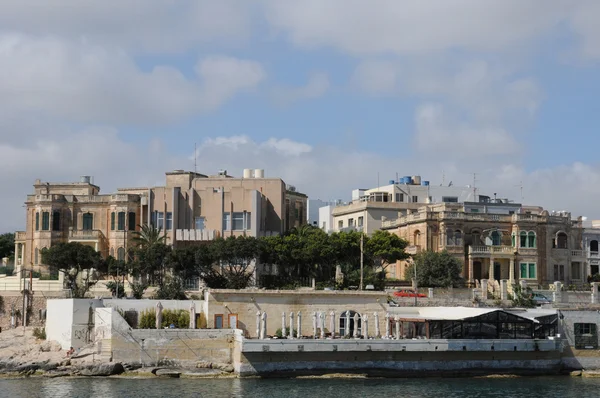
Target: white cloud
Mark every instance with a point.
(141, 26)
(317, 86)
(79, 82)
(376, 77)
(286, 146)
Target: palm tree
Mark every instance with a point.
(149, 235)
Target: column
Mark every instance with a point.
(263, 323)
(299, 328)
(491, 271)
(511, 271)
(471, 278)
(314, 320)
(377, 331)
(283, 331)
(365, 326)
(503, 289)
(558, 292)
(332, 324)
(397, 327)
(355, 331)
(347, 331)
(484, 289)
(322, 321)
(387, 325)
(291, 325)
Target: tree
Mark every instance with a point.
(435, 269)
(236, 255)
(152, 261)
(7, 245)
(385, 248)
(149, 235)
(79, 263)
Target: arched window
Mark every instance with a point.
(523, 239)
(121, 254)
(594, 246)
(450, 237)
(417, 237)
(458, 240)
(496, 238)
(531, 241)
(88, 221)
(476, 237)
(561, 241)
(343, 323)
(56, 221)
(36, 256)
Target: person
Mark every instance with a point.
(70, 352)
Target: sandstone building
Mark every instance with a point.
(191, 207)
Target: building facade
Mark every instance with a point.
(496, 240)
(191, 207)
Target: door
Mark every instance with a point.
(218, 321)
(233, 321)
(477, 270)
(497, 268)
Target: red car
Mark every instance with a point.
(408, 293)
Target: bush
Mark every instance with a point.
(39, 333)
(172, 289)
(138, 289)
(179, 318)
(112, 286)
(522, 298)
(279, 333)
(9, 271)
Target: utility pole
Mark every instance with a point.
(361, 258)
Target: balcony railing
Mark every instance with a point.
(492, 250)
(577, 253)
(195, 234)
(86, 234)
(594, 254)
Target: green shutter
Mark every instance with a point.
(37, 221)
(532, 271)
(523, 271)
(112, 221)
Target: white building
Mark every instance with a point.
(313, 210)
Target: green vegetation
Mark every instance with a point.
(522, 298)
(179, 318)
(112, 286)
(7, 246)
(435, 269)
(39, 333)
(279, 333)
(80, 264)
(9, 271)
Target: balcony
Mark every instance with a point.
(195, 234)
(492, 250)
(561, 253)
(412, 249)
(85, 235)
(593, 254)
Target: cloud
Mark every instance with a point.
(140, 26)
(317, 86)
(288, 147)
(79, 82)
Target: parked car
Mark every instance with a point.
(408, 293)
(540, 299)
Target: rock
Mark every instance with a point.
(27, 368)
(204, 365)
(225, 367)
(575, 373)
(167, 373)
(105, 369)
(49, 366)
(66, 362)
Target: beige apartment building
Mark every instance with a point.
(497, 240)
(190, 208)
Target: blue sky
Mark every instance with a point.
(325, 94)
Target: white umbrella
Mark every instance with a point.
(159, 309)
(193, 316)
(283, 324)
(299, 319)
(291, 325)
(258, 324)
(332, 323)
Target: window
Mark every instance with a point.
(561, 241)
(238, 221)
(56, 221)
(559, 272)
(46, 221)
(528, 271)
(199, 222)
(401, 197)
(514, 240)
(121, 254)
(160, 219)
(132, 222)
(415, 199)
(531, 239)
(586, 336)
(523, 241)
(449, 237)
(169, 221)
(340, 224)
(37, 221)
(474, 210)
(226, 221)
(496, 238)
(88, 221)
(594, 246)
(121, 221)
(350, 222)
(360, 222)
(112, 221)
(576, 270)
(449, 199)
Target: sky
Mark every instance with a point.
(328, 95)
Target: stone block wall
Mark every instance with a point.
(36, 303)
